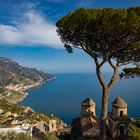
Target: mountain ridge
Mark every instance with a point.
(16, 79)
(13, 73)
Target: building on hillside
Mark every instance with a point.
(87, 125)
(25, 128)
(52, 126)
(43, 127)
(118, 120)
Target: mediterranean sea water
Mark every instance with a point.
(63, 95)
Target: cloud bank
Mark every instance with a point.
(32, 29)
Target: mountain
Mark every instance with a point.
(14, 80)
(13, 73)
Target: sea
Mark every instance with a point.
(62, 96)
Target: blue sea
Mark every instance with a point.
(63, 95)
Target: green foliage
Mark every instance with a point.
(136, 122)
(6, 106)
(33, 117)
(131, 72)
(14, 96)
(51, 137)
(13, 136)
(134, 132)
(104, 33)
(134, 129)
(22, 136)
(3, 119)
(28, 117)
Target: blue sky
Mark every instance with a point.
(28, 33)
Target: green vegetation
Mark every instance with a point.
(134, 129)
(131, 72)
(13, 108)
(33, 117)
(134, 132)
(13, 96)
(13, 136)
(3, 119)
(24, 116)
(109, 36)
(51, 137)
(136, 122)
(22, 136)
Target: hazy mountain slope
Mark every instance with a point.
(13, 73)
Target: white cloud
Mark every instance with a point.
(32, 29)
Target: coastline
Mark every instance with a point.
(22, 89)
(32, 86)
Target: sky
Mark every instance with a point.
(28, 33)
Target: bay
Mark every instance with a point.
(63, 95)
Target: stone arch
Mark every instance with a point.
(122, 129)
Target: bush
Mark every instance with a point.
(13, 136)
(22, 136)
(51, 137)
(134, 132)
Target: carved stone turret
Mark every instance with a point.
(88, 106)
(119, 108)
(118, 120)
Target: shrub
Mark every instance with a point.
(13, 136)
(134, 132)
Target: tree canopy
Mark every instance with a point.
(130, 72)
(103, 33)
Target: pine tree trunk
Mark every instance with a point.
(106, 90)
(104, 114)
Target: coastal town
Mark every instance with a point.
(28, 122)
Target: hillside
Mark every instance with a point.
(134, 129)
(24, 121)
(15, 79)
(23, 114)
(13, 73)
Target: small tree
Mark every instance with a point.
(109, 36)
